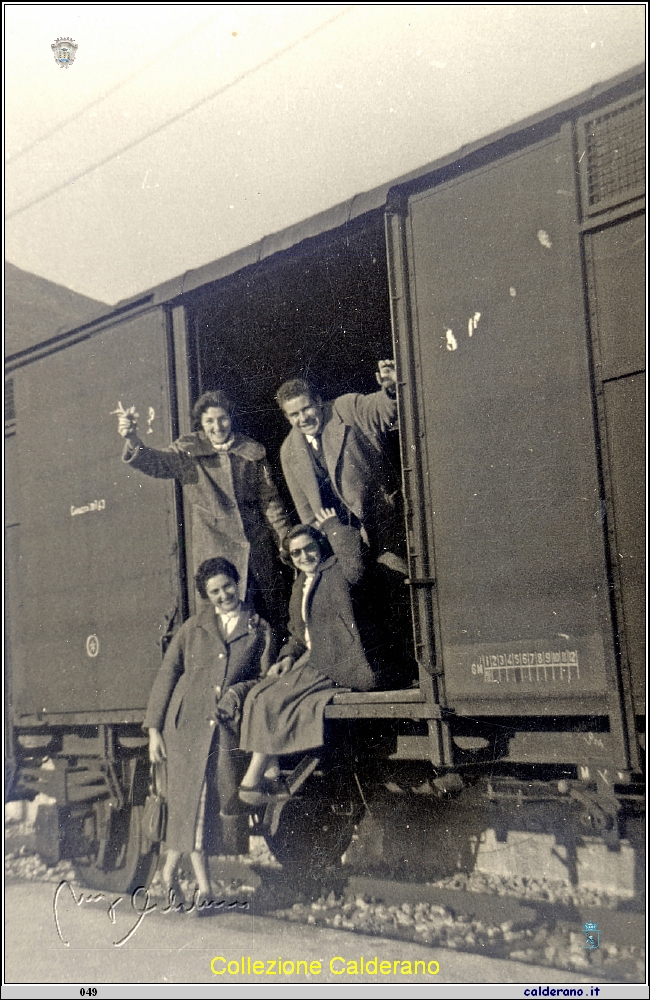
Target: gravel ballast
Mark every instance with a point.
(468, 923)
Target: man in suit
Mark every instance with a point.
(335, 457)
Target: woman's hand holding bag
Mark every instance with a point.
(154, 815)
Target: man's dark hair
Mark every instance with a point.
(215, 398)
(213, 567)
(292, 389)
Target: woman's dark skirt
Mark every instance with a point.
(284, 715)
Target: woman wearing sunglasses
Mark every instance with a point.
(326, 652)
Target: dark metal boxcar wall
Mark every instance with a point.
(514, 467)
(98, 543)
(611, 153)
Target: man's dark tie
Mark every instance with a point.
(318, 454)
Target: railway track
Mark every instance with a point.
(471, 913)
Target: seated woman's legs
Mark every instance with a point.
(261, 766)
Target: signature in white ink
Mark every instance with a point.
(141, 905)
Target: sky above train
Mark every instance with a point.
(182, 133)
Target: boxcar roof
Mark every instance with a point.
(347, 211)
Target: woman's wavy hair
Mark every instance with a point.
(214, 398)
(313, 533)
(213, 567)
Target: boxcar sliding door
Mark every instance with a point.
(611, 153)
(507, 550)
(98, 562)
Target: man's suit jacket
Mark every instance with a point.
(352, 443)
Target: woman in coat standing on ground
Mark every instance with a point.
(235, 506)
(193, 716)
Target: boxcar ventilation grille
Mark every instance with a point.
(615, 147)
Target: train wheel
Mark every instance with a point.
(312, 834)
(125, 860)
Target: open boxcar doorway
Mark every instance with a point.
(318, 311)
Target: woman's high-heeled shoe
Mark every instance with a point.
(269, 790)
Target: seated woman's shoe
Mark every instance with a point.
(270, 790)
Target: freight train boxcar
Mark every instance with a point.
(508, 280)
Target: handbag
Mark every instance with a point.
(154, 814)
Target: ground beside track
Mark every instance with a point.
(534, 933)
(177, 949)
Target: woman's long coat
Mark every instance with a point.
(235, 506)
(199, 667)
(341, 629)
(284, 714)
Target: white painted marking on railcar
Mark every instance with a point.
(452, 344)
(472, 323)
(94, 505)
(513, 291)
(544, 238)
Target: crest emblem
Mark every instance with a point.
(591, 932)
(64, 49)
